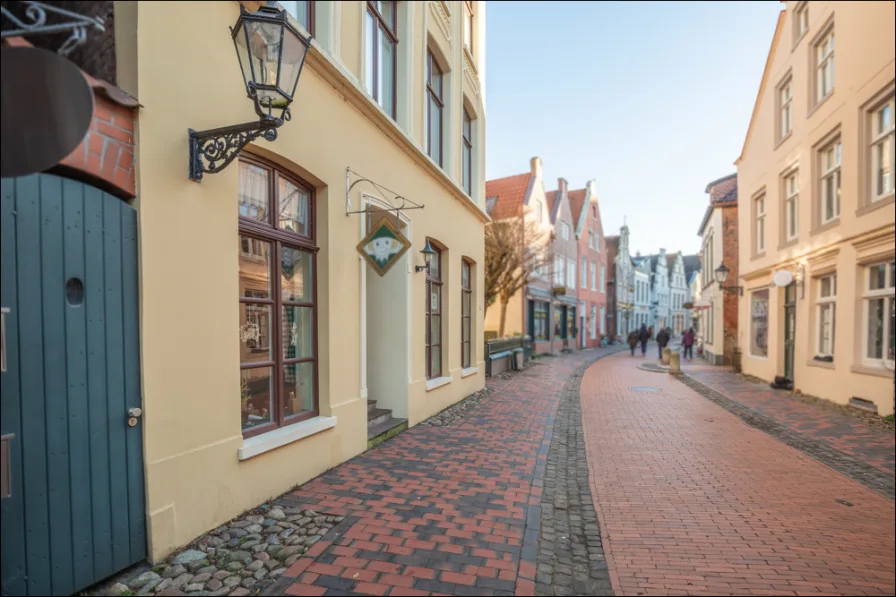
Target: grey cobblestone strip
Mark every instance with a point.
(570, 559)
(845, 464)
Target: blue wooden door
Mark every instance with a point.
(75, 510)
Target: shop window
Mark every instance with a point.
(539, 329)
(434, 316)
(880, 313)
(466, 300)
(278, 314)
(759, 323)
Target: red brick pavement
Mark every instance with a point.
(440, 510)
(692, 501)
(839, 430)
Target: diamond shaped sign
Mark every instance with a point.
(383, 246)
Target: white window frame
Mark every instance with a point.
(785, 108)
(826, 303)
(801, 21)
(571, 272)
(830, 158)
(824, 66)
(603, 320)
(593, 273)
(759, 206)
(559, 270)
(584, 273)
(882, 139)
(593, 323)
(603, 278)
(792, 205)
(885, 294)
(564, 230)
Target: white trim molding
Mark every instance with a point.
(272, 440)
(437, 382)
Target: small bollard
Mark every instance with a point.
(666, 353)
(675, 363)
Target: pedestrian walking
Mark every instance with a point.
(633, 341)
(643, 337)
(687, 340)
(662, 339)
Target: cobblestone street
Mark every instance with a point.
(693, 501)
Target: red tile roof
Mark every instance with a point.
(509, 193)
(576, 201)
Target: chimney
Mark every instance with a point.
(562, 186)
(536, 167)
(662, 252)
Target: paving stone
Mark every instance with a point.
(191, 555)
(213, 584)
(118, 589)
(232, 581)
(181, 581)
(143, 579)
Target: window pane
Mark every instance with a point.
(465, 274)
(435, 131)
(759, 323)
(435, 266)
(299, 11)
(466, 354)
(435, 356)
(371, 44)
(891, 345)
(465, 330)
(875, 328)
(467, 157)
(435, 298)
(298, 387)
(253, 194)
(296, 275)
(884, 119)
(387, 8)
(255, 333)
(884, 175)
(468, 296)
(255, 268)
(435, 329)
(387, 73)
(877, 277)
(298, 332)
(294, 203)
(256, 396)
(826, 287)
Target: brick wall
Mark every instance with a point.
(730, 259)
(107, 151)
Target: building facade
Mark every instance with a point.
(660, 293)
(678, 293)
(817, 234)
(623, 284)
(297, 332)
(691, 274)
(592, 255)
(719, 237)
(564, 268)
(643, 313)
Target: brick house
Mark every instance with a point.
(564, 269)
(592, 263)
(719, 235)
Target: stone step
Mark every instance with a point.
(377, 416)
(385, 430)
(371, 405)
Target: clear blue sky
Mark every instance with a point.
(650, 99)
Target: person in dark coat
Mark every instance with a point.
(662, 339)
(633, 341)
(687, 340)
(643, 337)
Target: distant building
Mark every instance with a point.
(592, 260)
(692, 277)
(678, 293)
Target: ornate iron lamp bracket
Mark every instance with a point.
(212, 150)
(36, 23)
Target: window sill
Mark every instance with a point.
(756, 256)
(285, 435)
(826, 226)
(783, 139)
(877, 204)
(467, 372)
(822, 364)
(437, 382)
(876, 370)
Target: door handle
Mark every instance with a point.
(5, 468)
(3, 312)
(134, 414)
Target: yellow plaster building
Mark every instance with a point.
(816, 217)
(263, 331)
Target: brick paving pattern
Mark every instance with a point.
(440, 510)
(847, 434)
(692, 501)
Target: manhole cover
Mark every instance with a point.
(644, 389)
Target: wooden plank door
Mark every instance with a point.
(75, 512)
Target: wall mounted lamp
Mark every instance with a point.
(427, 252)
(271, 54)
(722, 276)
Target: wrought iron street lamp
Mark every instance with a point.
(722, 276)
(428, 253)
(271, 54)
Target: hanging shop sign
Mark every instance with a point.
(383, 246)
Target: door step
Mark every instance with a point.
(381, 425)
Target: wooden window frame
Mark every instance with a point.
(430, 282)
(381, 26)
(824, 303)
(879, 139)
(885, 294)
(466, 321)
(311, 12)
(829, 172)
(432, 63)
(269, 232)
(467, 157)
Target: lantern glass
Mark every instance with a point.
(721, 274)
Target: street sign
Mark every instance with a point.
(383, 246)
